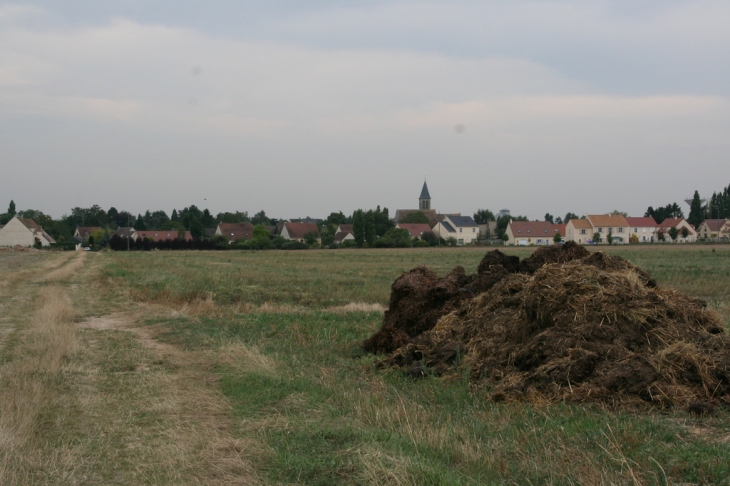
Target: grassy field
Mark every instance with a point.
(246, 368)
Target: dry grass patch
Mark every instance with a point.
(24, 266)
(382, 468)
(240, 358)
(358, 307)
(72, 265)
(27, 385)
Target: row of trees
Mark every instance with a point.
(664, 212)
(190, 218)
(718, 206)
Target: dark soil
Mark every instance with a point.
(561, 325)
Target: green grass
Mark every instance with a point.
(328, 416)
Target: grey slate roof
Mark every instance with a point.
(424, 192)
(448, 227)
(463, 221)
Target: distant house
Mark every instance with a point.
(299, 231)
(344, 228)
(679, 223)
(306, 220)
(645, 229)
(209, 232)
(415, 230)
(126, 232)
(488, 230)
(23, 232)
(463, 228)
(344, 232)
(235, 231)
(162, 235)
(613, 224)
(344, 236)
(82, 233)
(711, 228)
(579, 230)
(533, 232)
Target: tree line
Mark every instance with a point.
(190, 218)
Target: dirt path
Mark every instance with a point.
(123, 407)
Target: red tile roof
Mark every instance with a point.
(581, 224)
(715, 224)
(670, 223)
(297, 231)
(237, 231)
(608, 220)
(536, 229)
(30, 224)
(644, 222)
(416, 230)
(162, 235)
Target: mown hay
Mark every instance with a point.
(595, 329)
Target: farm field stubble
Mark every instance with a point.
(283, 331)
(233, 367)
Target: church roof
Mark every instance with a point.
(424, 192)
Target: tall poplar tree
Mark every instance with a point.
(696, 211)
(358, 227)
(370, 228)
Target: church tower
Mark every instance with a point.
(424, 200)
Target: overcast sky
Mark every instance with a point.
(304, 108)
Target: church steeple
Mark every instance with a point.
(424, 200)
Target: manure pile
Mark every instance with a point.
(561, 325)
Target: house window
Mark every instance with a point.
(582, 231)
(461, 241)
(636, 230)
(620, 230)
(600, 230)
(460, 230)
(473, 230)
(528, 231)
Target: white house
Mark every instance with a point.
(533, 232)
(681, 224)
(463, 228)
(299, 231)
(579, 230)
(23, 232)
(344, 233)
(642, 230)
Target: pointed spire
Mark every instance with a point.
(424, 192)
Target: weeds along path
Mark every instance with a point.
(136, 410)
